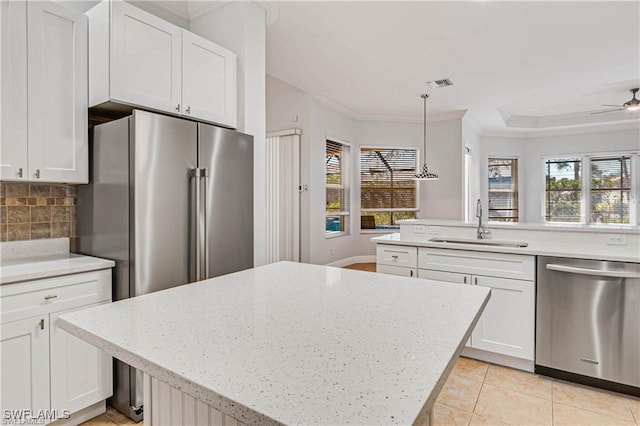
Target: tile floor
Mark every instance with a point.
(111, 418)
(478, 393)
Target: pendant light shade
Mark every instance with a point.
(425, 174)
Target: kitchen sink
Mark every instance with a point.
(480, 242)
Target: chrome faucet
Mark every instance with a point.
(482, 232)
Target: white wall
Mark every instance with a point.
(531, 151)
(319, 122)
(284, 102)
(240, 27)
(326, 123)
(443, 199)
(471, 142)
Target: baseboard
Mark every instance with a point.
(494, 358)
(353, 259)
(83, 415)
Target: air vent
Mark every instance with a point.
(435, 84)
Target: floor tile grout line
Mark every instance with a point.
(599, 414)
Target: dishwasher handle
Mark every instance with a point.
(597, 272)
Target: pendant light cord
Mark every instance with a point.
(424, 155)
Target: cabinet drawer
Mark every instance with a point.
(449, 277)
(397, 256)
(44, 296)
(397, 270)
(517, 266)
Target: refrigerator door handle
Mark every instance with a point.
(203, 228)
(197, 203)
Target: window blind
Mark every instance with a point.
(503, 189)
(387, 179)
(610, 189)
(563, 190)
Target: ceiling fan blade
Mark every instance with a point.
(616, 106)
(604, 112)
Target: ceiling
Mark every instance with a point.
(515, 66)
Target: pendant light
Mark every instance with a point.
(425, 174)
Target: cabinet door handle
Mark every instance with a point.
(50, 296)
(188, 110)
(411, 273)
(476, 280)
(465, 280)
(41, 324)
(178, 108)
(37, 174)
(19, 173)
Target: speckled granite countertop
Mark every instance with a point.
(535, 248)
(292, 343)
(17, 270)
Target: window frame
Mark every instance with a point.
(516, 192)
(585, 198)
(391, 210)
(345, 179)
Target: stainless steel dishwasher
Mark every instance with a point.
(588, 322)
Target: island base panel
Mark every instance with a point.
(165, 405)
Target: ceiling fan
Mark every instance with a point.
(631, 105)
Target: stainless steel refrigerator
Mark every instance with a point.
(171, 202)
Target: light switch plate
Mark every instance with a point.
(419, 229)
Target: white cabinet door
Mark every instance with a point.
(450, 277)
(507, 324)
(145, 59)
(81, 374)
(13, 122)
(24, 353)
(57, 98)
(208, 80)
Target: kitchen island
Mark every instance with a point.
(289, 343)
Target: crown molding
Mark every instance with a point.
(354, 115)
(564, 120)
(576, 130)
(190, 13)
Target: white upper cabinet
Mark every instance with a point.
(208, 80)
(44, 93)
(145, 59)
(138, 59)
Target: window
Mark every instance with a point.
(610, 189)
(503, 189)
(388, 191)
(337, 188)
(563, 190)
(594, 189)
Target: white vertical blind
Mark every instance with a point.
(283, 197)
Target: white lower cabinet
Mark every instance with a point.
(397, 260)
(507, 325)
(24, 350)
(80, 373)
(44, 367)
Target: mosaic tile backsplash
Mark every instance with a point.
(31, 211)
